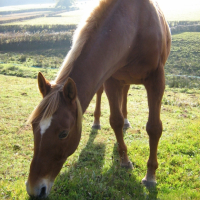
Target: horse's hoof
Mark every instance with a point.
(148, 184)
(128, 165)
(96, 127)
(126, 126)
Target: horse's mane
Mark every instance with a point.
(81, 36)
(49, 104)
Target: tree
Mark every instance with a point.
(64, 3)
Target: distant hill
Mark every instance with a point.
(23, 2)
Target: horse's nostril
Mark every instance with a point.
(43, 192)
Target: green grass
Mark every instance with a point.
(183, 60)
(27, 64)
(20, 70)
(93, 171)
(184, 55)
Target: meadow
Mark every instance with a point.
(93, 171)
(183, 59)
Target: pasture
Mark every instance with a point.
(183, 59)
(93, 171)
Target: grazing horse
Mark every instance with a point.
(122, 42)
(97, 111)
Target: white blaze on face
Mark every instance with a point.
(44, 125)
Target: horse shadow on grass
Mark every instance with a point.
(89, 179)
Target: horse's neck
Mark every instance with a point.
(88, 78)
(91, 70)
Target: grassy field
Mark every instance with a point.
(184, 55)
(93, 171)
(20, 16)
(183, 60)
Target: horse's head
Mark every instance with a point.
(56, 124)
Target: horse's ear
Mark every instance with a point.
(43, 84)
(69, 90)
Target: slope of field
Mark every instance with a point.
(21, 16)
(183, 60)
(185, 54)
(25, 7)
(93, 171)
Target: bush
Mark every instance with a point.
(22, 58)
(182, 82)
(37, 28)
(12, 68)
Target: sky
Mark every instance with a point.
(171, 4)
(178, 4)
(181, 9)
(175, 10)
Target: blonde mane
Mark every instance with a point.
(81, 36)
(49, 104)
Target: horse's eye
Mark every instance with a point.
(63, 134)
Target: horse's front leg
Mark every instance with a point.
(155, 86)
(113, 90)
(97, 111)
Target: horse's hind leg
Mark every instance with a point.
(124, 106)
(155, 86)
(97, 112)
(113, 90)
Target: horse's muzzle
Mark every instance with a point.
(40, 190)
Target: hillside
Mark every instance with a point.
(185, 54)
(51, 33)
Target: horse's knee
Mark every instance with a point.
(154, 130)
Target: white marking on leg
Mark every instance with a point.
(126, 121)
(97, 123)
(44, 125)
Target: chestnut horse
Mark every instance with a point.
(122, 42)
(97, 111)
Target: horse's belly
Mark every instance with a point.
(132, 75)
(127, 78)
